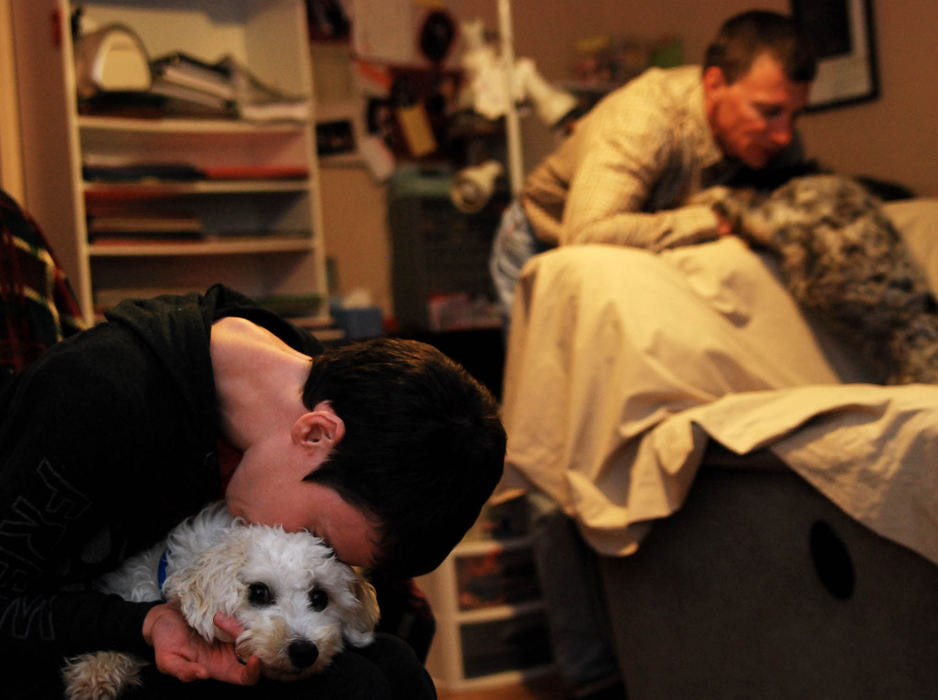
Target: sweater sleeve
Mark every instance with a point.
(74, 499)
(54, 530)
(625, 150)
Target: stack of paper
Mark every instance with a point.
(130, 225)
(225, 86)
(186, 79)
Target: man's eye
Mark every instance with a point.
(318, 599)
(770, 111)
(259, 595)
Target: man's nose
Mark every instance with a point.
(782, 132)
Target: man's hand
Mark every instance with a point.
(724, 225)
(182, 653)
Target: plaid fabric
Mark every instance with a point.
(37, 306)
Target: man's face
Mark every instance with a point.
(267, 488)
(753, 119)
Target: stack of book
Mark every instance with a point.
(119, 225)
(189, 84)
(225, 88)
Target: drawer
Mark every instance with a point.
(515, 643)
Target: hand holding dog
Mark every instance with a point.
(724, 226)
(179, 651)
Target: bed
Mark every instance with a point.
(642, 389)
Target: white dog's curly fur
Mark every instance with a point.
(841, 256)
(297, 603)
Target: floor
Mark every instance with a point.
(546, 688)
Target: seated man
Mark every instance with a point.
(629, 166)
(623, 177)
(385, 449)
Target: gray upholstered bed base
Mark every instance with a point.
(761, 588)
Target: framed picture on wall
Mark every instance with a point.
(843, 36)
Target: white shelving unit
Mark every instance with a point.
(263, 235)
(491, 628)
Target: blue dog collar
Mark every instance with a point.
(161, 570)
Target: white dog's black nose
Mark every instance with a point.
(303, 653)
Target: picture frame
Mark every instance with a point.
(844, 38)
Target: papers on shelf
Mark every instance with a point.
(108, 172)
(127, 224)
(111, 170)
(225, 84)
(194, 99)
(256, 172)
(185, 85)
(181, 69)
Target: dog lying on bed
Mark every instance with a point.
(840, 256)
(297, 603)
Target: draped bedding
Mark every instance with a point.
(623, 365)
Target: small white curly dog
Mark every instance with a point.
(297, 603)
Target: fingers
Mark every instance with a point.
(251, 673)
(182, 653)
(231, 629)
(217, 662)
(185, 671)
(724, 225)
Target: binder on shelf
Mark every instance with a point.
(143, 226)
(192, 97)
(184, 70)
(256, 172)
(224, 85)
(141, 171)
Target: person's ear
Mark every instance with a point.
(319, 429)
(714, 81)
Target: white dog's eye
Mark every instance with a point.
(318, 599)
(259, 594)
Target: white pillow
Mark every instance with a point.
(917, 220)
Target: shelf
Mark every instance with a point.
(170, 125)
(234, 246)
(251, 188)
(499, 612)
(473, 548)
(160, 188)
(497, 681)
(491, 619)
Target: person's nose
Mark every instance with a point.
(782, 132)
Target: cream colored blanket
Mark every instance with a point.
(623, 364)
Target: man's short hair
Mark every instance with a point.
(745, 36)
(423, 448)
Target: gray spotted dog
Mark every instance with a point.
(841, 257)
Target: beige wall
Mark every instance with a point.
(356, 237)
(11, 167)
(895, 136)
(892, 138)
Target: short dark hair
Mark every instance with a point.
(745, 36)
(423, 448)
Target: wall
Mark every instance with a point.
(356, 235)
(11, 167)
(891, 138)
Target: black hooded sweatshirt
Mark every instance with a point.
(107, 441)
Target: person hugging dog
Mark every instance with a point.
(385, 449)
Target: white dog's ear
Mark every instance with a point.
(210, 585)
(360, 627)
